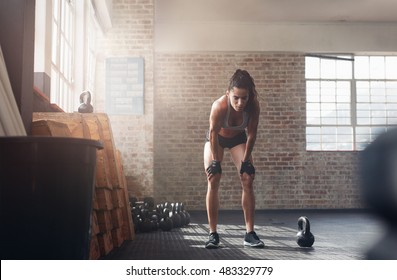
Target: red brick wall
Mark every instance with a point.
(287, 176)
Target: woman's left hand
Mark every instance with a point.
(247, 167)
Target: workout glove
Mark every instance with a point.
(214, 168)
(247, 167)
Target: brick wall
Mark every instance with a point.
(131, 35)
(287, 176)
(162, 150)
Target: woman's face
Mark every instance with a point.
(238, 98)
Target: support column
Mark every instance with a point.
(17, 21)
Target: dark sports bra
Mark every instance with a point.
(242, 126)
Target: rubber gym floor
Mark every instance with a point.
(339, 235)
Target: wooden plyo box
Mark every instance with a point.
(117, 237)
(104, 198)
(105, 222)
(50, 128)
(117, 217)
(105, 242)
(74, 121)
(95, 252)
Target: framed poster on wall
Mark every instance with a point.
(125, 86)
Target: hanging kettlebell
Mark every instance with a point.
(304, 237)
(85, 103)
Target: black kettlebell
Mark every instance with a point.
(155, 220)
(159, 210)
(166, 223)
(181, 214)
(135, 216)
(304, 237)
(167, 205)
(149, 201)
(187, 215)
(146, 225)
(133, 200)
(176, 218)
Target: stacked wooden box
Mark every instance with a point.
(111, 215)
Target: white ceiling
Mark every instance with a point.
(261, 11)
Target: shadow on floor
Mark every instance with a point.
(339, 234)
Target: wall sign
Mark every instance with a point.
(125, 85)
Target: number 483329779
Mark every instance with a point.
(246, 270)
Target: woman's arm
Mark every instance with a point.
(252, 130)
(215, 128)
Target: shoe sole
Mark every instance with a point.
(259, 245)
(212, 246)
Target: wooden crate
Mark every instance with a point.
(104, 220)
(95, 205)
(105, 242)
(110, 150)
(128, 226)
(117, 217)
(77, 126)
(50, 128)
(93, 126)
(104, 198)
(95, 252)
(118, 198)
(103, 176)
(117, 237)
(94, 223)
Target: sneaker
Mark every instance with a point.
(213, 241)
(252, 240)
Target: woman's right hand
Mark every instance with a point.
(214, 169)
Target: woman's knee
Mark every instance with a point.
(214, 182)
(247, 182)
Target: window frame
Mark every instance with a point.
(62, 57)
(354, 125)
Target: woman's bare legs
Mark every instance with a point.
(248, 197)
(212, 198)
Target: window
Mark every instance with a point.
(62, 53)
(349, 100)
(91, 50)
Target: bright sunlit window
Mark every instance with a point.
(91, 49)
(63, 17)
(349, 100)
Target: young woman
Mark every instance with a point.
(233, 125)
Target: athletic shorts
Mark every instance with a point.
(224, 142)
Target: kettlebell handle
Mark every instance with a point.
(304, 224)
(84, 94)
